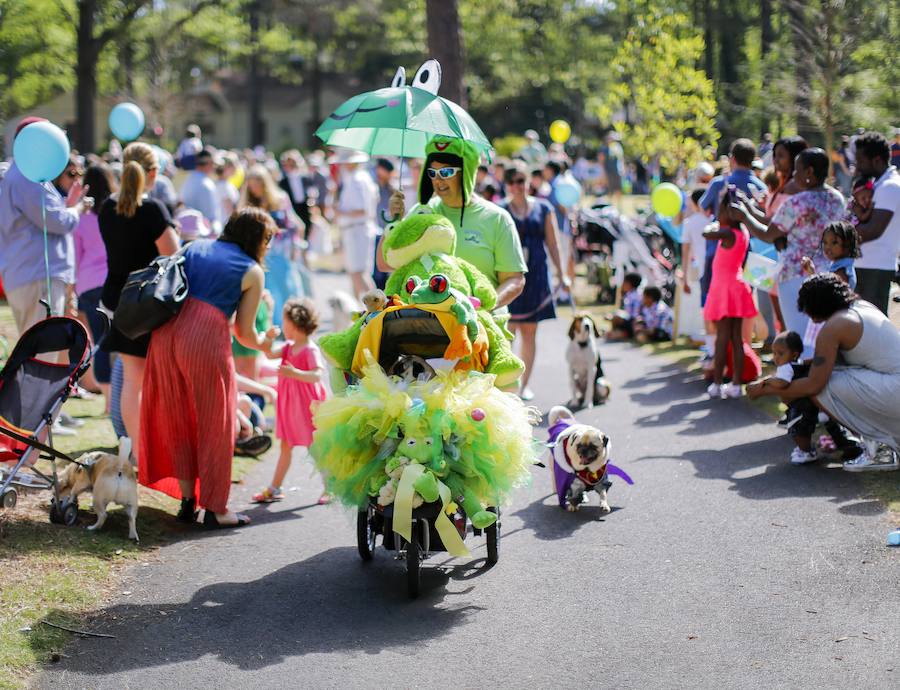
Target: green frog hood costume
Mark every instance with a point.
(455, 152)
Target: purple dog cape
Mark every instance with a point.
(563, 472)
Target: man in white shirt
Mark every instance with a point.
(879, 230)
(199, 191)
(355, 215)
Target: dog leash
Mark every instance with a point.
(34, 443)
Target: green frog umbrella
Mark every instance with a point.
(400, 120)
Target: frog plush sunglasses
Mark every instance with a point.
(443, 173)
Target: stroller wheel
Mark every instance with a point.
(10, 497)
(365, 533)
(492, 533)
(413, 562)
(69, 513)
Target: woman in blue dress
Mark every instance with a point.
(536, 223)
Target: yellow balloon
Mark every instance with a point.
(238, 178)
(560, 131)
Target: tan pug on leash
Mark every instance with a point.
(110, 478)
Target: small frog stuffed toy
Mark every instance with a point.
(437, 292)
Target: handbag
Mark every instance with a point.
(152, 296)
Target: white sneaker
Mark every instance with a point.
(59, 430)
(732, 390)
(714, 391)
(526, 394)
(803, 457)
(875, 458)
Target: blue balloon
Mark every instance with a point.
(567, 194)
(41, 151)
(126, 121)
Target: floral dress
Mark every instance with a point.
(803, 217)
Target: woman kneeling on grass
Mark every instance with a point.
(188, 410)
(862, 391)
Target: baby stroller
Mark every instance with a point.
(410, 337)
(32, 393)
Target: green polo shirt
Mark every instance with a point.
(488, 239)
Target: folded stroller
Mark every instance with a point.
(32, 393)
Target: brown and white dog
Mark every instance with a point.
(588, 385)
(580, 457)
(110, 478)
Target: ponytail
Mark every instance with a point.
(131, 189)
(139, 160)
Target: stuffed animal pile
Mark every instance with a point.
(454, 438)
(420, 248)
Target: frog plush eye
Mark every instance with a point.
(439, 283)
(410, 442)
(399, 78)
(412, 283)
(428, 441)
(428, 78)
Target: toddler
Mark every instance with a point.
(862, 195)
(623, 320)
(802, 414)
(299, 384)
(655, 321)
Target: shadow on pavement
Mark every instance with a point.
(549, 522)
(330, 602)
(761, 470)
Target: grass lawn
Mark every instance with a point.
(56, 573)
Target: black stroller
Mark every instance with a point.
(32, 393)
(409, 337)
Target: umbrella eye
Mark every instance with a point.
(412, 284)
(399, 79)
(438, 284)
(428, 78)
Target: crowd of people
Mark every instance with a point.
(826, 315)
(248, 224)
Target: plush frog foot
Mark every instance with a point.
(427, 487)
(483, 519)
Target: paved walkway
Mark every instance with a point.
(722, 567)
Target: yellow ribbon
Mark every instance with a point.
(403, 508)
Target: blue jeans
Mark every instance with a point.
(794, 319)
(88, 302)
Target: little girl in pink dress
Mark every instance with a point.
(730, 299)
(299, 384)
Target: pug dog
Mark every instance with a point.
(580, 458)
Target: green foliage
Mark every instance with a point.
(673, 103)
(508, 145)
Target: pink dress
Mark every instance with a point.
(293, 416)
(729, 294)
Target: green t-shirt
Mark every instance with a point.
(488, 240)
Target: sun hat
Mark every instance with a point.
(349, 156)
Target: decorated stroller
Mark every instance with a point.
(421, 481)
(32, 393)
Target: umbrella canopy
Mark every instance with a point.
(400, 120)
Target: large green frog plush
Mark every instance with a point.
(423, 244)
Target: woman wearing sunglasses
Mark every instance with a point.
(486, 234)
(536, 224)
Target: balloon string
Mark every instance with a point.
(46, 254)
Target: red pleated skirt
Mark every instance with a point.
(188, 406)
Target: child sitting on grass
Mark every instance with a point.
(623, 321)
(654, 325)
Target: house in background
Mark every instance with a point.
(220, 107)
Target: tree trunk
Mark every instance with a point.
(445, 43)
(796, 11)
(708, 38)
(255, 92)
(86, 75)
(316, 89)
(767, 39)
